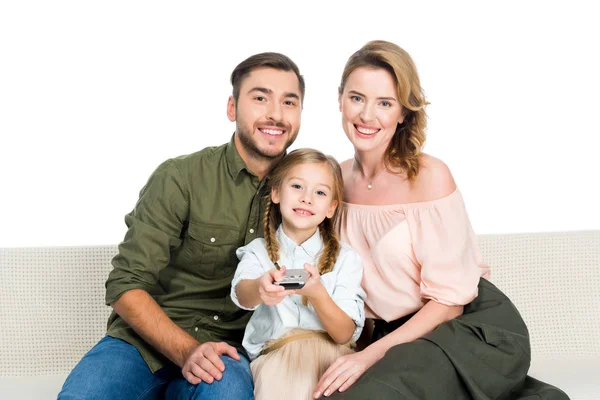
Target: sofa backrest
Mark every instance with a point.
(51, 307)
(554, 281)
(52, 299)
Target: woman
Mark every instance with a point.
(441, 330)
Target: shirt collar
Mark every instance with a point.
(312, 246)
(234, 161)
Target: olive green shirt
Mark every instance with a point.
(192, 215)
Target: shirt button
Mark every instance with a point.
(196, 329)
(216, 317)
(251, 230)
(212, 240)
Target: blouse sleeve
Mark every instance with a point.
(251, 266)
(446, 248)
(348, 293)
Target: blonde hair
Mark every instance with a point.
(331, 247)
(409, 138)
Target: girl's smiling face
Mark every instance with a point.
(305, 199)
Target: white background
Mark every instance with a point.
(94, 95)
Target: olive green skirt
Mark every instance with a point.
(483, 354)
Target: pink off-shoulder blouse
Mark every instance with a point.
(413, 253)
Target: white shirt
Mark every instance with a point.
(272, 322)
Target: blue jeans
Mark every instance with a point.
(114, 369)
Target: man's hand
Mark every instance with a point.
(271, 294)
(203, 364)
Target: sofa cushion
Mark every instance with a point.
(39, 387)
(577, 377)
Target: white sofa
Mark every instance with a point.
(52, 308)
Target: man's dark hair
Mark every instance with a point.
(270, 60)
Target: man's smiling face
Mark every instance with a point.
(267, 112)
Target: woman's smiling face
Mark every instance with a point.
(370, 108)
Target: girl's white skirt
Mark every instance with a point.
(290, 367)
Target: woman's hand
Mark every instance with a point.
(313, 288)
(345, 371)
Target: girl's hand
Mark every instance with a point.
(344, 372)
(271, 294)
(313, 288)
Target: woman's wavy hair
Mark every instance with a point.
(331, 243)
(409, 138)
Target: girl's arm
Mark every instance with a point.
(424, 321)
(252, 284)
(247, 292)
(252, 292)
(335, 321)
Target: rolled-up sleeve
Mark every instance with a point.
(249, 267)
(154, 229)
(348, 293)
(446, 247)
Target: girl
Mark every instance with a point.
(294, 335)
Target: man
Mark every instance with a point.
(174, 328)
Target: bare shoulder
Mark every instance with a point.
(435, 180)
(346, 165)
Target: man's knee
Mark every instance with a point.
(236, 383)
(239, 370)
(111, 369)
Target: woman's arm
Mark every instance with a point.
(424, 321)
(347, 369)
(366, 336)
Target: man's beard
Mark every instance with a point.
(251, 146)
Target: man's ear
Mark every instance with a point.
(332, 207)
(231, 109)
(275, 195)
(340, 100)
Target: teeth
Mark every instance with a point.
(303, 212)
(272, 131)
(366, 131)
